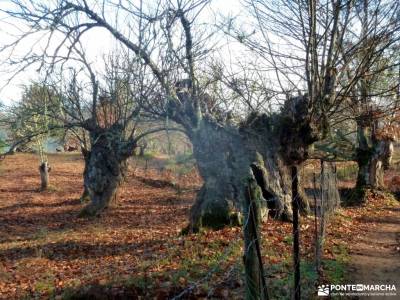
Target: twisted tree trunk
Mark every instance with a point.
(372, 158)
(106, 167)
(224, 153)
(273, 179)
(223, 156)
(282, 140)
(217, 203)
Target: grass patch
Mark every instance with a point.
(281, 280)
(336, 270)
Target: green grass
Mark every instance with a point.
(281, 283)
(336, 270)
(45, 286)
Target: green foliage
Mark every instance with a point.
(288, 239)
(45, 285)
(335, 270)
(32, 119)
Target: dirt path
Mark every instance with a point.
(375, 257)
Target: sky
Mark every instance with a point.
(97, 42)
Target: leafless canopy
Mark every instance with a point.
(310, 46)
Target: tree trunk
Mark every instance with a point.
(85, 197)
(212, 208)
(304, 204)
(86, 157)
(278, 185)
(141, 151)
(105, 171)
(372, 160)
(44, 170)
(274, 181)
(282, 140)
(218, 202)
(370, 167)
(223, 154)
(104, 175)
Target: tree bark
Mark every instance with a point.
(218, 202)
(224, 152)
(85, 194)
(303, 200)
(106, 168)
(282, 140)
(274, 180)
(372, 159)
(44, 170)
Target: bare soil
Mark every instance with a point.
(375, 256)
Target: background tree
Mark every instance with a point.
(35, 128)
(105, 112)
(374, 97)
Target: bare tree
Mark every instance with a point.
(171, 48)
(374, 97)
(305, 46)
(103, 113)
(110, 114)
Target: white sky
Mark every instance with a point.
(97, 42)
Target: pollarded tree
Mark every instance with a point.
(304, 43)
(107, 110)
(300, 51)
(368, 111)
(168, 43)
(374, 97)
(307, 47)
(165, 40)
(103, 112)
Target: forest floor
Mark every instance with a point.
(135, 249)
(375, 253)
